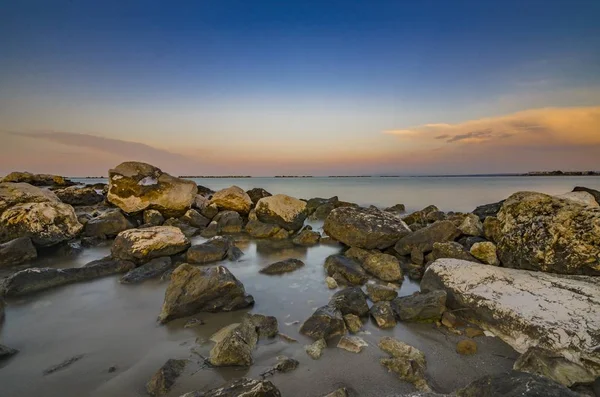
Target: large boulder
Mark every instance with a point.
(17, 251)
(527, 309)
(136, 187)
(365, 227)
(240, 387)
(232, 199)
(21, 193)
(107, 224)
(423, 239)
(37, 179)
(193, 290)
(326, 322)
(141, 245)
(285, 211)
(345, 270)
(580, 197)
(37, 279)
(78, 196)
(545, 233)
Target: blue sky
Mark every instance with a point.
(311, 84)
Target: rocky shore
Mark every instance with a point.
(525, 270)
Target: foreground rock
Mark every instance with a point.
(365, 227)
(541, 232)
(284, 211)
(350, 301)
(37, 279)
(326, 322)
(580, 197)
(406, 361)
(37, 179)
(528, 309)
(236, 346)
(17, 251)
(345, 270)
(383, 314)
(285, 266)
(232, 199)
(193, 290)
(162, 381)
(240, 387)
(78, 196)
(423, 239)
(152, 269)
(515, 384)
(142, 245)
(135, 187)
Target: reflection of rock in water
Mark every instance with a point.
(279, 249)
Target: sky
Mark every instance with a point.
(300, 87)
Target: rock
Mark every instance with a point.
(338, 393)
(193, 322)
(353, 344)
(514, 384)
(107, 224)
(424, 239)
(471, 332)
(229, 222)
(211, 230)
(451, 249)
(37, 279)
(257, 229)
(210, 211)
(193, 290)
(449, 320)
(378, 293)
(422, 307)
(315, 350)
(350, 300)
(153, 218)
(584, 198)
(593, 192)
(326, 322)
(37, 179)
(353, 323)
(213, 250)
(358, 254)
(205, 191)
(466, 347)
(266, 326)
(257, 193)
(331, 283)
(468, 242)
(142, 245)
(153, 268)
(316, 202)
(234, 253)
(223, 332)
(471, 226)
(285, 266)
(78, 196)
(240, 387)
(348, 270)
(236, 347)
(64, 364)
(492, 229)
(17, 251)
(6, 352)
(526, 309)
(483, 211)
(195, 219)
(284, 365)
(398, 208)
(383, 314)
(162, 381)
(544, 233)
(187, 230)
(284, 211)
(407, 362)
(307, 238)
(365, 228)
(485, 252)
(232, 199)
(420, 217)
(135, 187)
(383, 266)
(434, 216)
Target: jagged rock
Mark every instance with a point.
(383, 266)
(378, 293)
(365, 228)
(285, 266)
(492, 229)
(266, 326)
(193, 290)
(350, 300)
(240, 387)
(135, 187)
(353, 323)
(284, 211)
(471, 226)
(383, 314)
(483, 211)
(407, 362)
(485, 252)
(232, 199)
(584, 198)
(257, 193)
(466, 347)
(420, 306)
(162, 381)
(229, 222)
(153, 268)
(37, 179)
(347, 270)
(213, 250)
(141, 245)
(37, 279)
(236, 347)
(195, 219)
(526, 309)
(307, 238)
(187, 230)
(6, 352)
(331, 283)
(326, 322)
(420, 217)
(78, 196)
(107, 224)
(257, 229)
(514, 384)
(451, 249)
(153, 218)
(353, 344)
(17, 251)
(424, 239)
(315, 350)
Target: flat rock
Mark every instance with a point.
(240, 387)
(162, 381)
(326, 322)
(232, 198)
(423, 239)
(285, 266)
(284, 211)
(422, 307)
(353, 344)
(152, 269)
(526, 309)
(17, 251)
(142, 245)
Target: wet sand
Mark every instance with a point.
(115, 325)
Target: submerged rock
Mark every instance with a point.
(6, 352)
(365, 228)
(423, 239)
(315, 350)
(135, 187)
(406, 361)
(514, 384)
(350, 300)
(78, 196)
(345, 270)
(193, 290)
(107, 224)
(342, 392)
(545, 233)
(285, 266)
(420, 306)
(162, 381)
(240, 387)
(527, 309)
(141, 245)
(232, 198)
(284, 211)
(236, 346)
(17, 251)
(37, 279)
(66, 363)
(153, 268)
(326, 322)
(466, 347)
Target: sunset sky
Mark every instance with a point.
(300, 87)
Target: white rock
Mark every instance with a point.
(583, 198)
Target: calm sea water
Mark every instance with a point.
(448, 193)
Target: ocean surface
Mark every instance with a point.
(462, 193)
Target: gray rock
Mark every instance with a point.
(316, 202)
(593, 192)
(347, 270)
(257, 193)
(163, 380)
(383, 314)
(211, 230)
(64, 364)
(266, 326)
(6, 352)
(326, 322)
(471, 226)
(213, 250)
(451, 249)
(468, 242)
(315, 350)
(78, 196)
(422, 307)
(397, 208)
(187, 229)
(195, 219)
(107, 224)
(229, 222)
(17, 251)
(152, 269)
(240, 387)
(350, 300)
(153, 218)
(514, 384)
(483, 211)
(420, 217)
(424, 239)
(285, 266)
